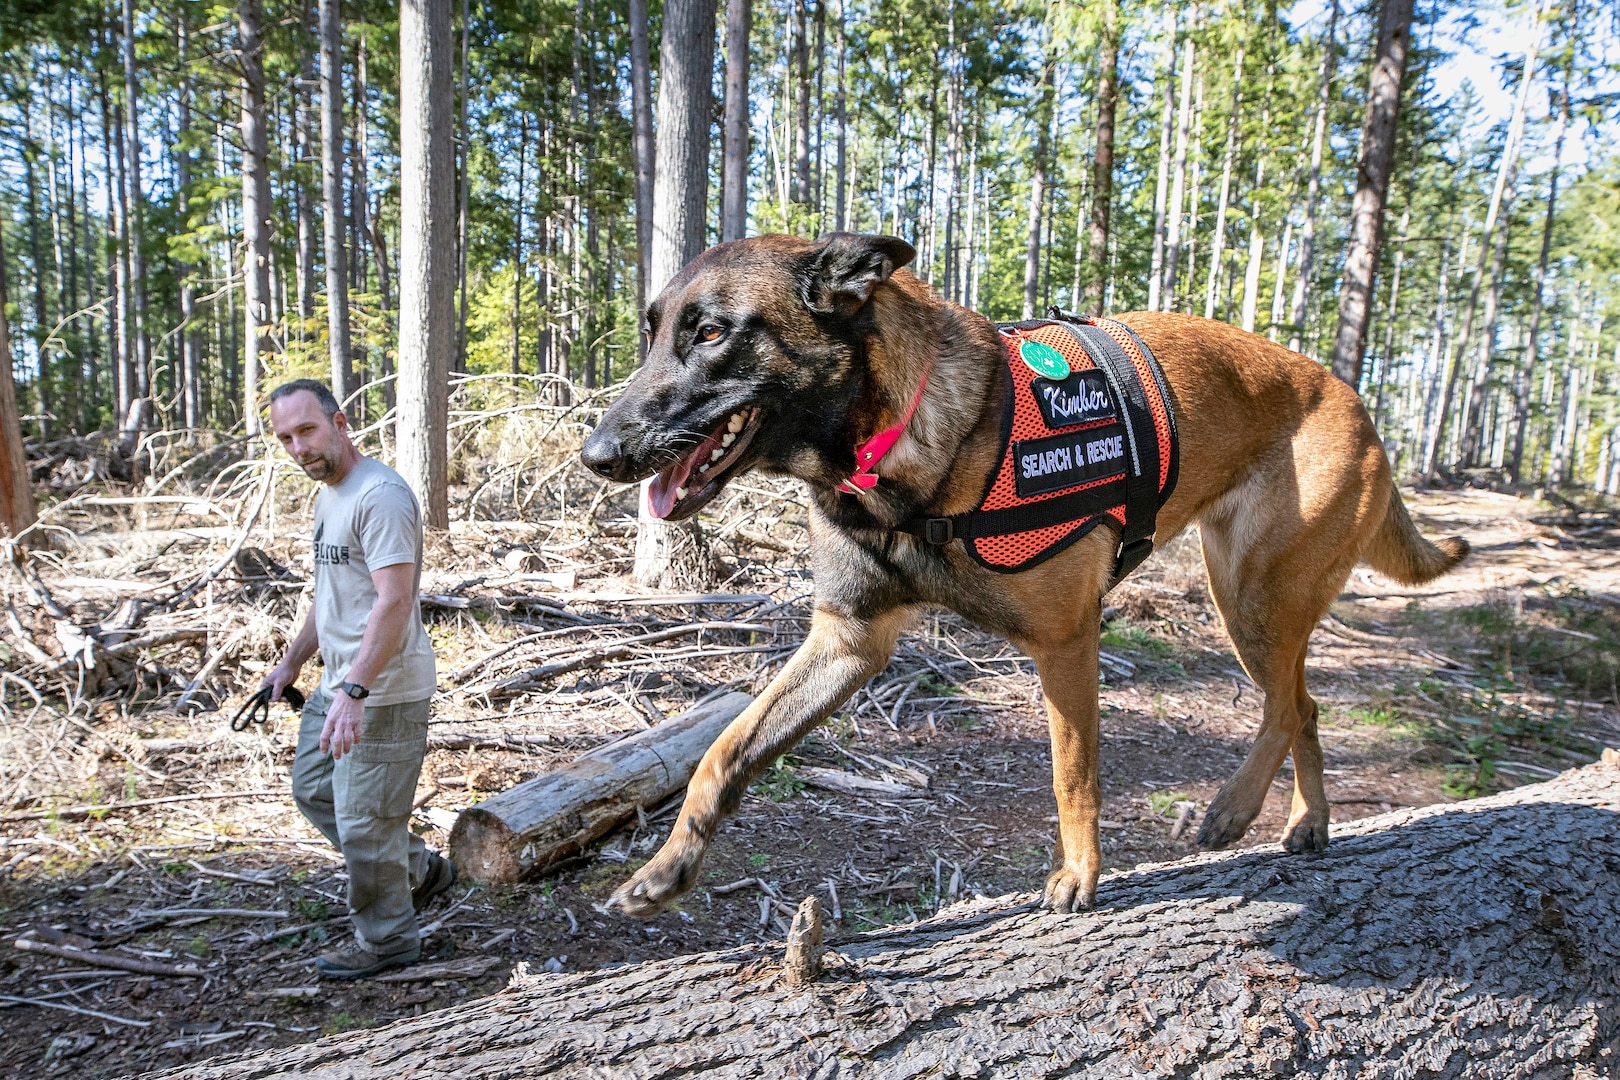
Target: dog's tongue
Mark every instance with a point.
(661, 492)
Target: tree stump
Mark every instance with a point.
(1469, 940)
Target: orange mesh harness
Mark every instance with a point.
(1095, 442)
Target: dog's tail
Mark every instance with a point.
(1403, 553)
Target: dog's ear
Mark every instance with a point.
(846, 268)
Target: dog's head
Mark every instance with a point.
(755, 358)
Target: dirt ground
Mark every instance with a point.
(1502, 673)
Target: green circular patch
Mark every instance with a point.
(1043, 360)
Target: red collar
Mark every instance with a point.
(870, 452)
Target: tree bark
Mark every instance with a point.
(1313, 191)
(734, 152)
(1378, 129)
(189, 367)
(256, 208)
(426, 253)
(135, 211)
(645, 151)
(1102, 163)
(17, 509)
(840, 219)
(337, 271)
(1455, 941)
(304, 204)
(801, 102)
(1037, 186)
(673, 555)
(530, 828)
(463, 195)
(518, 269)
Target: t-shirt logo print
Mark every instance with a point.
(329, 554)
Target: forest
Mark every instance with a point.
(454, 211)
(1205, 157)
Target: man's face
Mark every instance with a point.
(309, 438)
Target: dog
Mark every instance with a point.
(783, 354)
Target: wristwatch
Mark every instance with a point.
(355, 690)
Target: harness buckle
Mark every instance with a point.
(938, 531)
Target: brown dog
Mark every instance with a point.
(782, 354)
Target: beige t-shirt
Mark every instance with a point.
(369, 521)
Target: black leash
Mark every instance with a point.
(256, 709)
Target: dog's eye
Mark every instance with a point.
(710, 332)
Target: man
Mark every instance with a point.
(364, 732)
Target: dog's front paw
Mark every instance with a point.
(1224, 823)
(1069, 890)
(655, 886)
(1306, 835)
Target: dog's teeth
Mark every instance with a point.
(728, 438)
(703, 467)
(716, 454)
(680, 493)
(736, 423)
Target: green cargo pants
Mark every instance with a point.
(362, 804)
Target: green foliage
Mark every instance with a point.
(1122, 635)
(781, 781)
(1164, 802)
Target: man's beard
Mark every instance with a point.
(322, 467)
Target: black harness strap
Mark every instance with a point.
(1142, 481)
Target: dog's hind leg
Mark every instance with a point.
(840, 653)
(1276, 561)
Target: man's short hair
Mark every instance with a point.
(322, 392)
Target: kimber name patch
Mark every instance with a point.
(1080, 399)
(1064, 461)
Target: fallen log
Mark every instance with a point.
(540, 822)
(1471, 940)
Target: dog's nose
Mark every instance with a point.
(603, 454)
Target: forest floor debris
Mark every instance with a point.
(136, 831)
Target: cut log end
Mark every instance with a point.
(483, 848)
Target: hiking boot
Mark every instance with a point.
(354, 962)
(441, 874)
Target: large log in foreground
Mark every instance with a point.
(1470, 940)
(532, 826)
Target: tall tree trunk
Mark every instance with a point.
(1178, 181)
(1313, 192)
(17, 510)
(1522, 377)
(42, 323)
(1378, 129)
(673, 554)
(1037, 185)
(1506, 169)
(644, 151)
(337, 271)
(734, 152)
(136, 417)
(841, 220)
(1161, 190)
(112, 153)
(189, 373)
(1218, 241)
(1381, 372)
(953, 150)
(256, 208)
(1102, 162)
(801, 102)
(1473, 409)
(463, 194)
(305, 205)
(427, 276)
(519, 271)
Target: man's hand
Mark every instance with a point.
(280, 677)
(344, 719)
